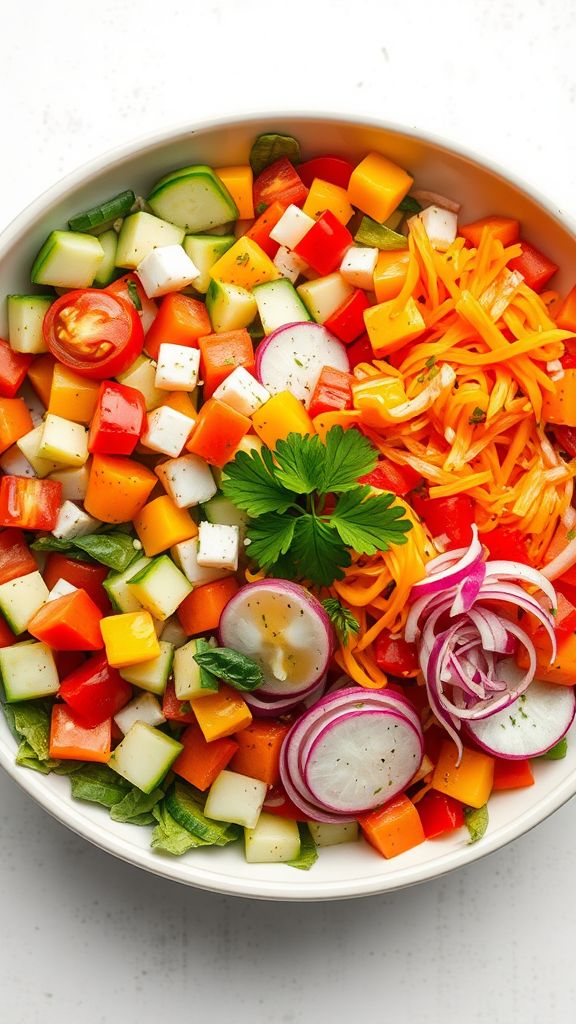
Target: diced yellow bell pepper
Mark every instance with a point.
(246, 264)
(239, 180)
(389, 330)
(560, 407)
(221, 714)
(129, 638)
(182, 401)
(281, 415)
(72, 396)
(377, 186)
(161, 524)
(373, 396)
(390, 274)
(323, 195)
(471, 782)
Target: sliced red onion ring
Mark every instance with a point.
(439, 578)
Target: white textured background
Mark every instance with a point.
(86, 938)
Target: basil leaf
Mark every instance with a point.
(116, 550)
(476, 820)
(308, 853)
(232, 667)
(271, 147)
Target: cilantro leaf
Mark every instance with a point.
(250, 483)
(348, 455)
(369, 524)
(318, 551)
(270, 537)
(343, 620)
(300, 462)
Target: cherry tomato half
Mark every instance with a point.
(96, 334)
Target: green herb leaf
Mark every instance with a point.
(369, 524)
(318, 552)
(308, 853)
(557, 752)
(136, 807)
(343, 620)
(30, 722)
(116, 550)
(299, 462)
(234, 668)
(98, 784)
(270, 147)
(348, 455)
(409, 205)
(379, 236)
(270, 537)
(169, 836)
(208, 681)
(476, 820)
(134, 296)
(250, 482)
(478, 416)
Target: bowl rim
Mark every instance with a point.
(68, 812)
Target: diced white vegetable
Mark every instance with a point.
(274, 840)
(292, 227)
(74, 482)
(187, 678)
(143, 708)
(166, 269)
(60, 589)
(21, 598)
(242, 392)
(236, 798)
(324, 295)
(289, 264)
(29, 446)
(14, 463)
(142, 376)
(167, 430)
(177, 368)
(440, 225)
(185, 555)
(63, 441)
(218, 546)
(74, 522)
(333, 835)
(358, 266)
(187, 480)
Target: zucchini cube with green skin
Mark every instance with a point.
(230, 307)
(325, 834)
(107, 270)
(194, 198)
(29, 445)
(142, 376)
(144, 756)
(116, 586)
(68, 259)
(21, 598)
(273, 840)
(140, 234)
(160, 587)
(152, 675)
(324, 295)
(187, 675)
(28, 671)
(63, 441)
(143, 708)
(25, 318)
(236, 798)
(279, 304)
(205, 251)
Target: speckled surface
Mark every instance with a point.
(85, 937)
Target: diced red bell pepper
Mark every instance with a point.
(568, 361)
(68, 623)
(434, 738)
(118, 420)
(260, 230)
(7, 637)
(566, 436)
(512, 774)
(176, 710)
(278, 182)
(29, 503)
(324, 244)
(80, 574)
(67, 662)
(566, 315)
(13, 368)
(334, 169)
(95, 691)
(278, 802)
(360, 351)
(16, 558)
(439, 814)
(506, 543)
(535, 267)
(450, 517)
(395, 655)
(333, 391)
(389, 477)
(347, 322)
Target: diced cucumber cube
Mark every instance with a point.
(194, 198)
(230, 307)
(273, 840)
(187, 676)
(143, 708)
(21, 598)
(140, 234)
(325, 834)
(63, 441)
(68, 259)
(236, 798)
(116, 586)
(107, 270)
(144, 756)
(323, 296)
(160, 587)
(205, 251)
(28, 671)
(151, 675)
(279, 304)
(25, 318)
(221, 510)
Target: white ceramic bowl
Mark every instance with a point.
(354, 869)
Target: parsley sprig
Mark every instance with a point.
(294, 530)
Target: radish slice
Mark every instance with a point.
(530, 726)
(362, 759)
(291, 358)
(274, 708)
(309, 810)
(285, 630)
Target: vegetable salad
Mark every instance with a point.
(287, 535)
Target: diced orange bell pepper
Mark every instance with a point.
(566, 316)
(40, 376)
(390, 330)
(281, 415)
(390, 274)
(245, 264)
(15, 421)
(200, 612)
(71, 741)
(512, 774)
(323, 195)
(201, 762)
(69, 623)
(560, 407)
(470, 781)
(258, 754)
(180, 401)
(118, 488)
(260, 230)
(377, 185)
(503, 229)
(72, 396)
(239, 181)
(562, 670)
(217, 432)
(160, 524)
(222, 714)
(181, 320)
(222, 353)
(394, 828)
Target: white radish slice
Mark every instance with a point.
(283, 628)
(310, 811)
(530, 725)
(360, 760)
(291, 358)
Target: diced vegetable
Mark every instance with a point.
(95, 691)
(273, 840)
(144, 756)
(470, 781)
(71, 740)
(200, 762)
(235, 798)
(28, 671)
(393, 829)
(129, 638)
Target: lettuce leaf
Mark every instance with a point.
(30, 722)
(98, 784)
(308, 853)
(136, 807)
(169, 836)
